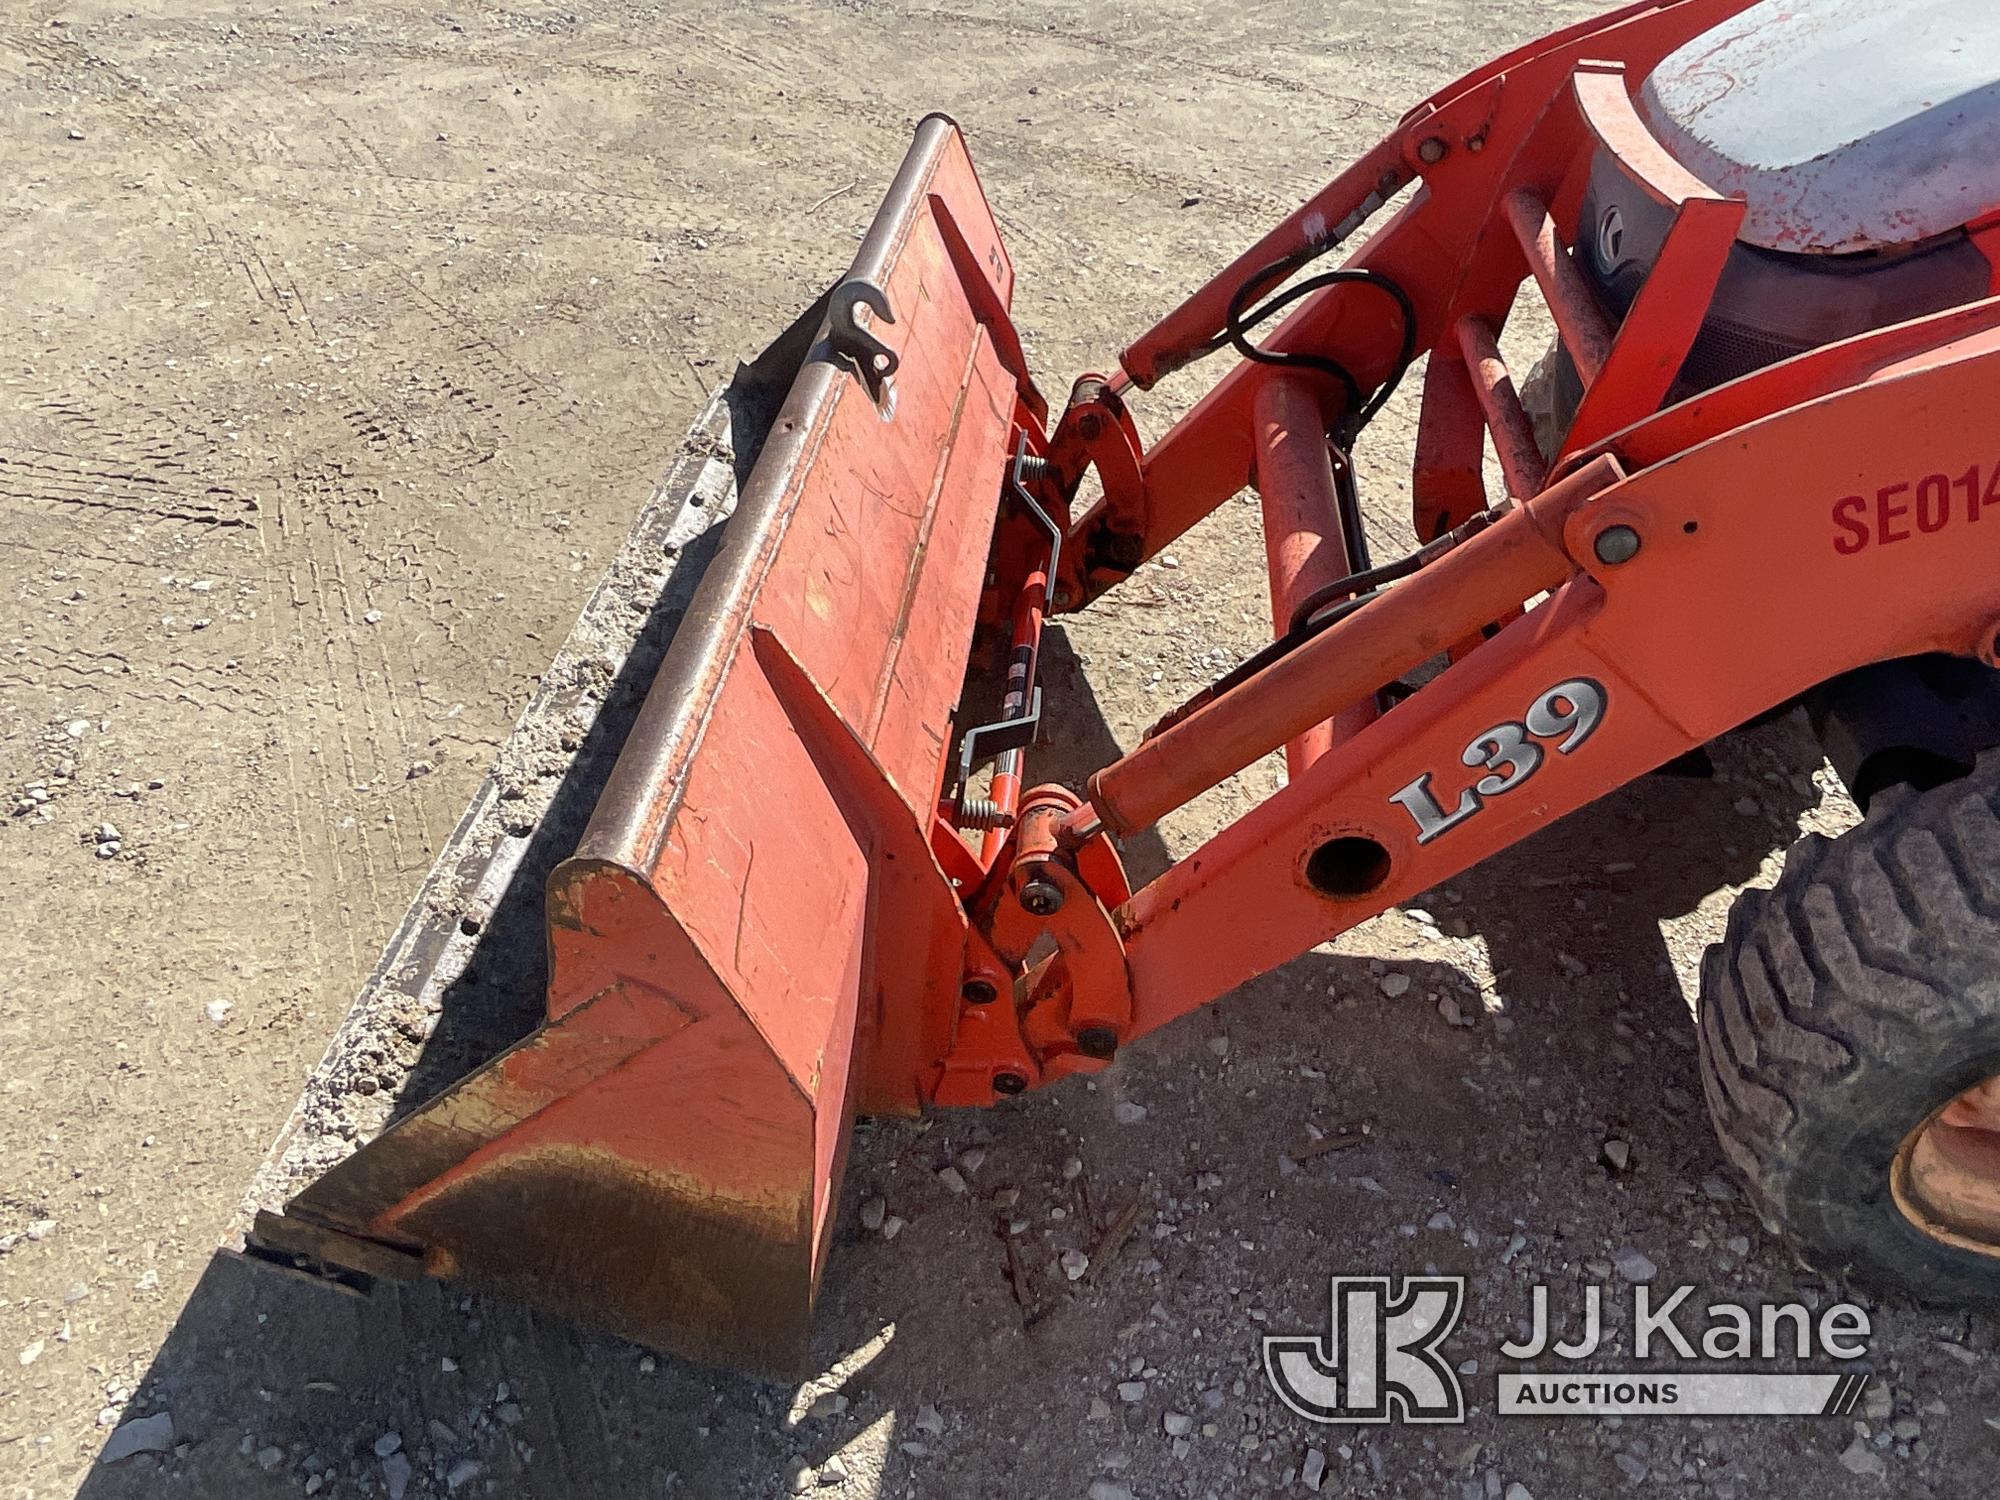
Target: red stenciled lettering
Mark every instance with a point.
(1933, 502)
(1848, 512)
(1907, 508)
(1885, 512)
(1969, 482)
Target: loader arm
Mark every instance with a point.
(821, 879)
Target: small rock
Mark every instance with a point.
(217, 1011)
(826, 1404)
(1131, 1392)
(833, 1471)
(75, 134)
(873, 1212)
(1312, 1473)
(419, 768)
(508, 1413)
(1074, 1264)
(893, 1226)
(930, 1421)
(1737, 1245)
(1104, 1489)
(154, 1434)
(803, 1479)
(270, 1457)
(1099, 1408)
(1747, 807)
(1168, 560)
(951, 1178)
(1219, 1045)
(1634, 1266)
(396, 1475)
(32, 1352)
(462, 1473)
(1634, 1469)
(973, 1160)
(1617, 1154)
(1177, 1423)
(388, 1443)
(1716, 1188)
(1453, 1014)
(1125, 1112)
(1518, 1491)
(1190, 200)
(76, 729)
(1878, 1403)
(1858, 1458)
(1395, 985)
(373, 617)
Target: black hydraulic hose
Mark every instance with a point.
(1325, 606)
(1239, 323)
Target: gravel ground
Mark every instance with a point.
(343, 341)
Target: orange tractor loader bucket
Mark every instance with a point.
(737, 947)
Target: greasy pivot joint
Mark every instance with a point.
(1041, 897)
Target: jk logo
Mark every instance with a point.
(1378, 1360)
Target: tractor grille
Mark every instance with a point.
(1724, 350)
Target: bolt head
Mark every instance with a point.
(1009, 1083)
(977, 991)
(1432, 148)
(1616, 544)
(1041, 898)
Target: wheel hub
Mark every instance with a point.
(1946, 1176)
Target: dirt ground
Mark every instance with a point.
(341, 341)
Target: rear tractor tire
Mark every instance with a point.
(1850, 1044)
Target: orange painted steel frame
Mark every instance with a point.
(1683, 570)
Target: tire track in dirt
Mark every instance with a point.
(147, 113)
(321, 626)
(801, 66)
(41, 478)
(1153, 56)
(403, 198)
